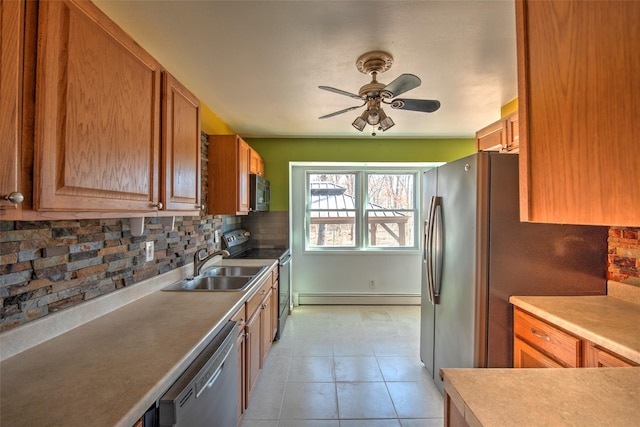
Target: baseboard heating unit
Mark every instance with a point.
(355, 299)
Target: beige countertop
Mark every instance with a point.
(546, 397)
(609, 322)
(110, 370)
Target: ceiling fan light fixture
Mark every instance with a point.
(385, 121)
(373, 116)
(359, 123)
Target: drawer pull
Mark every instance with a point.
(539, 335)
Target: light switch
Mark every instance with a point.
(149, 251)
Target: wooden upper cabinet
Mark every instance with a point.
(97, 114)
(180, 147)
(256, 164)
(578, 91)
(229, 160)
(491, 137)
(501, 135)
(12, 15)
(244, 166)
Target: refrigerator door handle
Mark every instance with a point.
(426, 258)
(432, 253)
(437, 253)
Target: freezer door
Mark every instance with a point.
(427, 312)
(455, 313)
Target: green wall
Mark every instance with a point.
(277, 153)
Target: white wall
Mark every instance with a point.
(343, 277)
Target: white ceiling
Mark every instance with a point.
(258, 64)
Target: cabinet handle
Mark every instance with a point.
(262, 292)
(15, 198)
(159, 205)
(539, 335)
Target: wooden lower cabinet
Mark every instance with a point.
(526, 356)
(538, 343)
(260, 329)
(559, 346)
(598, 357)
(252, 353)
(452, 415)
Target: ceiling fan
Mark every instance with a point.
(375, 94)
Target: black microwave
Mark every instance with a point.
(259, 193)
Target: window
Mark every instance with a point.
(372, 208)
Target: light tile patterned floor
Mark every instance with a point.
(346, 366)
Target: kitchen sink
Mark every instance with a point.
(233, 271)
(224, 278)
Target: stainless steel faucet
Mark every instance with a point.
(199, 261)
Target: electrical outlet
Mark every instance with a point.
(372, 284)
(149, 251)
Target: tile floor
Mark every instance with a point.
(346, 366)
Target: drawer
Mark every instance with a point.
(561, 346)
(254, 302)
(241, 317)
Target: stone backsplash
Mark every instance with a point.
(46, 266)
(624, 255)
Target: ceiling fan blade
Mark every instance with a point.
(341, 111)
(424, 105)
(340, 92)
(400, 85)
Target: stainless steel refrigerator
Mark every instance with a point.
(477, 253)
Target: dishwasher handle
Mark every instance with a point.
(207, 380)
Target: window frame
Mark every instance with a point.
(361, 238)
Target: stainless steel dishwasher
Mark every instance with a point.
(206, 394)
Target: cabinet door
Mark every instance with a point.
(578, 91)
(545, 337)
(244, 153)
(512, 133)
(228, 175)
(266, 327)
(526, 356)
(180, 147)
(97, 124)
(600, 358)
(253, 355)
(11, 48)
(256, 165)
(491, 138)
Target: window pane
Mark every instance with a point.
(332, 191)
(325, 231)
(390, 191)
(390, 229)
(332, 209)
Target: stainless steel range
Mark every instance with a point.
(239, 245)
